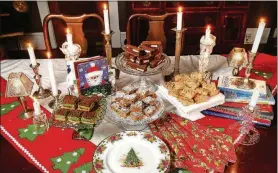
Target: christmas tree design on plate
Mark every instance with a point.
(132, 159)
(64, 161)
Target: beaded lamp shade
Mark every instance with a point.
(18, 85)
(237, 57)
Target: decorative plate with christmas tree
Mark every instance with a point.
(131, 152)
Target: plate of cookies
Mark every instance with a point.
(191, 93)
(134, 106)
(146, 59)
(79, 112)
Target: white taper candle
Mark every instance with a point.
(37, 107)
(179, 19)
(207, 33)
(69, 37)
(106, 20)
(32, 55)
(52, 76)
(258, 37)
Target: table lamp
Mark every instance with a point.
(19, 85)
(237, 59)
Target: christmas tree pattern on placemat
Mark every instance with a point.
(132, 160)
(30, 132)
(85, 168)
(5, 108)
(266, 75)
(64, 161)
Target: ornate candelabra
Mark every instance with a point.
(206, 47)
(108, 47)
(41, 93)
(246, 83)
(178, 49)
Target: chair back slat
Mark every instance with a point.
(74, 23)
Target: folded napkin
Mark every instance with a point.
(194, 147)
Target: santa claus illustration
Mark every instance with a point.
(94, 76)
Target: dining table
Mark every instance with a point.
(40, 150)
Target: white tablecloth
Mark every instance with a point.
(217, 65)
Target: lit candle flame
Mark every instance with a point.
(104, 6)
(180, 9)
(48, 55)
(68, 31)
(29, 45)
(262, 20)
(33, 98)
(208, 27)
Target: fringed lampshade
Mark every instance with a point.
(19, 85)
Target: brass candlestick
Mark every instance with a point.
(246, 83)
(108, 47)
(178, 49)
(41, 93)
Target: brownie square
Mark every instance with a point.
(88, 117)
(70, 102)
(61, 114)
(74, 116)
(87, 103)
(137, 67)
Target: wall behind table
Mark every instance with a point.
(256, 9)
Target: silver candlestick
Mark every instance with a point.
(56, 99)
(206, 47)
(40, 122)
(41, 93)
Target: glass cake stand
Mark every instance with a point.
(144, 81)
(128, 123)
(100, 113)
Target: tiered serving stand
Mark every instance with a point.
(144, 81)
(101, 110)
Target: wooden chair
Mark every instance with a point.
(75, 24)
(156, 29)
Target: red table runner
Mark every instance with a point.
(40, 149)
(55, 150)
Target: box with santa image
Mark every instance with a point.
(92, 76)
